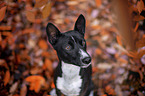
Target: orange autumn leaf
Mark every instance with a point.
(2, 13)
(43, 44)
(35, 82)
(7, 77)
(46, 10)
(30, 16)
(140, 6)
(98, 3)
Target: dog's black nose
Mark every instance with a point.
(86, 60)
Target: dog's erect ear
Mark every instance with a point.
(80, 24)
(53, 33)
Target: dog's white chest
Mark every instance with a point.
(70, 82)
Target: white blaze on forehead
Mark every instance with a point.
(70, 82)
(83, 53)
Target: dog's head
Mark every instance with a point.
(71, 45)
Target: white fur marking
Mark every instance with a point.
(70, 82)
(83, 54)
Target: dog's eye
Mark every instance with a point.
(68, 47)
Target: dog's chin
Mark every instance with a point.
(85, 65)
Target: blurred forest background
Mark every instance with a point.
(115, 34)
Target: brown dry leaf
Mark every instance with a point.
(140, 6)
(138, 18)
(43, 44)
(40, 3)
(35, 82)
(23, 90)
(30, 16)
(2, 13)
(98, 3)
(7, 77)
(46, 10)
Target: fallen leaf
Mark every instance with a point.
(98, 3)
(35, 82)
(30, 16)
(42, 44)
(140, 6)
(6, 78)
(46, 10)
(2, 13)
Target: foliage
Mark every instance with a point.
(115, 34)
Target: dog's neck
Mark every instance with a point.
(70, 70)
(70, 82)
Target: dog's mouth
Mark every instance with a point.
(85, 65)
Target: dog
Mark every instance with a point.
(72, 76)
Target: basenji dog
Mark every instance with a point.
(72, 76)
